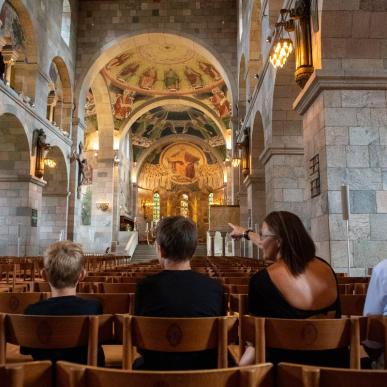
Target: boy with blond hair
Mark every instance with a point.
(63, 269)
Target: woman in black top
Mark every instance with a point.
(297, 285)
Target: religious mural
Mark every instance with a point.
(173, 166)
(153, 70)
(173, 120)
(10, 26)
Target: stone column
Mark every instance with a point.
(58, 113)
(66, 117)
(223, 235)
(256, 201)
(345, 123)
(212, 242)
(10, 56)
(51, 103)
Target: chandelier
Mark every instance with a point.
(50, 163)
(280, 52)
(282, 47)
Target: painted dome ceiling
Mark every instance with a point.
(172, 120)
(162, 69)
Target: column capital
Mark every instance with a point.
(322, 80)
(9, 54)
(270, 151)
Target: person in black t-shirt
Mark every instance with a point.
(177, 291)
(297, 285)
(63, 269)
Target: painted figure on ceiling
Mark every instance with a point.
(194, 77)
(183, 163)
(171, 80)
(220, 102)
(123, 105)
(148, 78)
(118, 60)
(127, 72)
(210, 70)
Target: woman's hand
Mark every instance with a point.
(237, 231)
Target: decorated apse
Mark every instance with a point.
(172, 105)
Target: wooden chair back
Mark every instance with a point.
(305, 334)
(75, 375)
(295, 375)
(31, 374)
(112, 303)
(16, 303)
(177, 335)
(118, 288)
(377, 331)
(352, 304)
(49, 332)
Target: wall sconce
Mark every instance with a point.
(42, 149)
(50, 163)
(103, 206)
(299, 23)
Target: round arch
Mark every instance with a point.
(257, 145)
(64, 109)
(175, 139)
(162, 101)
(54, 199)
(15, 148)
(115, 47)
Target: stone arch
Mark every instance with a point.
(25, 70)
(16, 188)
(256, 189)
(180, 138)
(255, 55)
(115, 47)
(14, 147)
(54, 200)
(161, 101)
(242, 89)
(63, 107)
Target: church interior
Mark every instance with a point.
(117, 114)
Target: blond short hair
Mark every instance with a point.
(63, 263)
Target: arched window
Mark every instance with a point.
(156, 207)
(66, 21)
(211, 199)
(184, 205)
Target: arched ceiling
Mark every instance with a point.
(168, 120)
(161, 67)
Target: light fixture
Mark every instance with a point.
(235, 161)
(49, 163)
(280, 52)
(282, 47)
(103, 206)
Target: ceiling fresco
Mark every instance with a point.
(176, 119)
(181, 166)
(172, 70)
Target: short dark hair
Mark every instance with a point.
(296, 246)
(177, 236)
